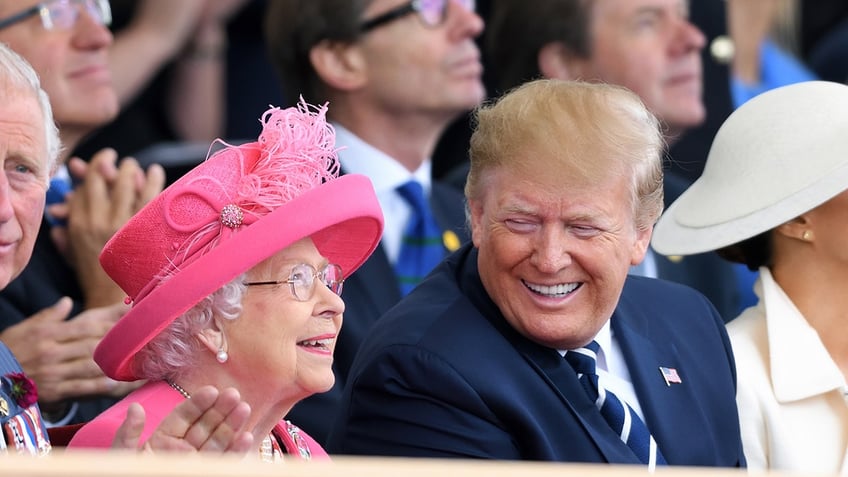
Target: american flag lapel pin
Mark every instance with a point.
(670, 376)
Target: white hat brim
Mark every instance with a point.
(778, 156)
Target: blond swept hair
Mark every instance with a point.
(560, 120)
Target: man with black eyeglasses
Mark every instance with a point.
(396, 74)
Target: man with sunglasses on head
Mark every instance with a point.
(396, 73)
(69, 45)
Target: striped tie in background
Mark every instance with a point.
(421, 249)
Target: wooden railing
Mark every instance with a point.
(121, 464)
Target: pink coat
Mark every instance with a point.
(158, 400)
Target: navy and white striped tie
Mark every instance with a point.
(620, 416)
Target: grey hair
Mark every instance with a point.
(17, 72)
(175, 349)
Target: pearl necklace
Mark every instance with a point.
(266, 450)
(179, 389)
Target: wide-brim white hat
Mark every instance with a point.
(779, 155)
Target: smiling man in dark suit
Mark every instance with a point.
(651, 47)
(395, 74)
(489, 357)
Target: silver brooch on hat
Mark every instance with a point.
(231, 216)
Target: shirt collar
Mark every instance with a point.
(604, 340)
(358, 157)
(801, 366)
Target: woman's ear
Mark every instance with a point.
(340, 65)
(799, 228)
(213, 338)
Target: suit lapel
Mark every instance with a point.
(562, 377)
(664, 406)
(448, 207)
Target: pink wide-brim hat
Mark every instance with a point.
(239, 207)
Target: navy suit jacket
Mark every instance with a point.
(444, 375)
(369, 293)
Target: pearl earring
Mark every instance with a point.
(807, 235)
(222, 355)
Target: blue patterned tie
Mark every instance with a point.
(422, 248)
(620, 416)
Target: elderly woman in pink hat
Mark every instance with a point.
(234, 273)
(774, 196)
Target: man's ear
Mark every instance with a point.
(641, 245)
(475, 211)
(557, 61)
(340, 65)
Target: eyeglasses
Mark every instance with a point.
(63, 14)
(431, 12)
(302, 280)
